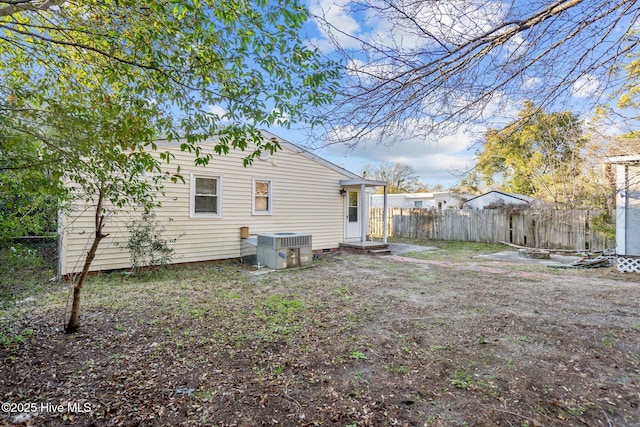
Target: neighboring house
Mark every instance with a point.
(625, 157)
(440, 200)
(495, 198)
(291, 191)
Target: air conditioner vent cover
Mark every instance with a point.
(284, 240)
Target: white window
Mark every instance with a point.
(417, 203)
(205, 196)
(262, 203)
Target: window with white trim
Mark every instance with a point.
(262, 197)
(205, 196)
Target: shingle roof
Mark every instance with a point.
(624, 147)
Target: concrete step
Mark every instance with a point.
(379, 252)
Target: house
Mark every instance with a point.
(290, 191)
(495, 198)
(625, 158)
(439, 200)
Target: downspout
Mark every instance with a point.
(384, 216)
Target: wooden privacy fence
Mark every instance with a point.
(551, 229)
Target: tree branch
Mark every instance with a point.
(16, 6)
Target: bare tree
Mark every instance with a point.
(401, 178)
(415, 67)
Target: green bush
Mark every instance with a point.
(604, 225)
(146, 244)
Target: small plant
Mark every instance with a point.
(19, 338)
(358, 355)
(461, 379)
(435, 348)
(276, 369)
(608, 340)
(575, 411)
(146, 245)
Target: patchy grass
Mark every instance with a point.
(451, 250)
(355, 340)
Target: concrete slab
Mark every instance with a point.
(400, 248)
(512, 256)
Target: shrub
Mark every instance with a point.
(602, 223)
(146, 244)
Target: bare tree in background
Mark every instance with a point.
(418, 67)
(401, 178)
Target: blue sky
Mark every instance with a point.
(436, 160)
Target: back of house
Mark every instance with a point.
(291, 190)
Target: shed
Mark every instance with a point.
(625, 157)
(438, 199)
(494, 197)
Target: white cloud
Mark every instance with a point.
(450, 22)
(586, 86)
(531, 82)
(217, 110)
(447, 22)
(516, 46)
(435, 161)
(359, 69)
(336, 13)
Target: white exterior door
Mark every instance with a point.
(353, 215)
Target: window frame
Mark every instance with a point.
(269, 210)
(192, 197)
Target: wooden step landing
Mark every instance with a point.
(373, 248)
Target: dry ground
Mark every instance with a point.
(355, 340)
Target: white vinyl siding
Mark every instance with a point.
(304, 198)
(262, 197)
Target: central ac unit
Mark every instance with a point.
(284, 250)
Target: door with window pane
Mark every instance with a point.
(353, 214)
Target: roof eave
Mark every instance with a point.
(362, 181)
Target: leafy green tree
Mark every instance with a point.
(86, 87)
(26, 206)
(540, 155)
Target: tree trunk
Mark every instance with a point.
(73, 325)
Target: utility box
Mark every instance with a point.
(284, 250)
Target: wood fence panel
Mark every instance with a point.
(551, 229)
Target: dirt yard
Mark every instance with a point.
(355, 340)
